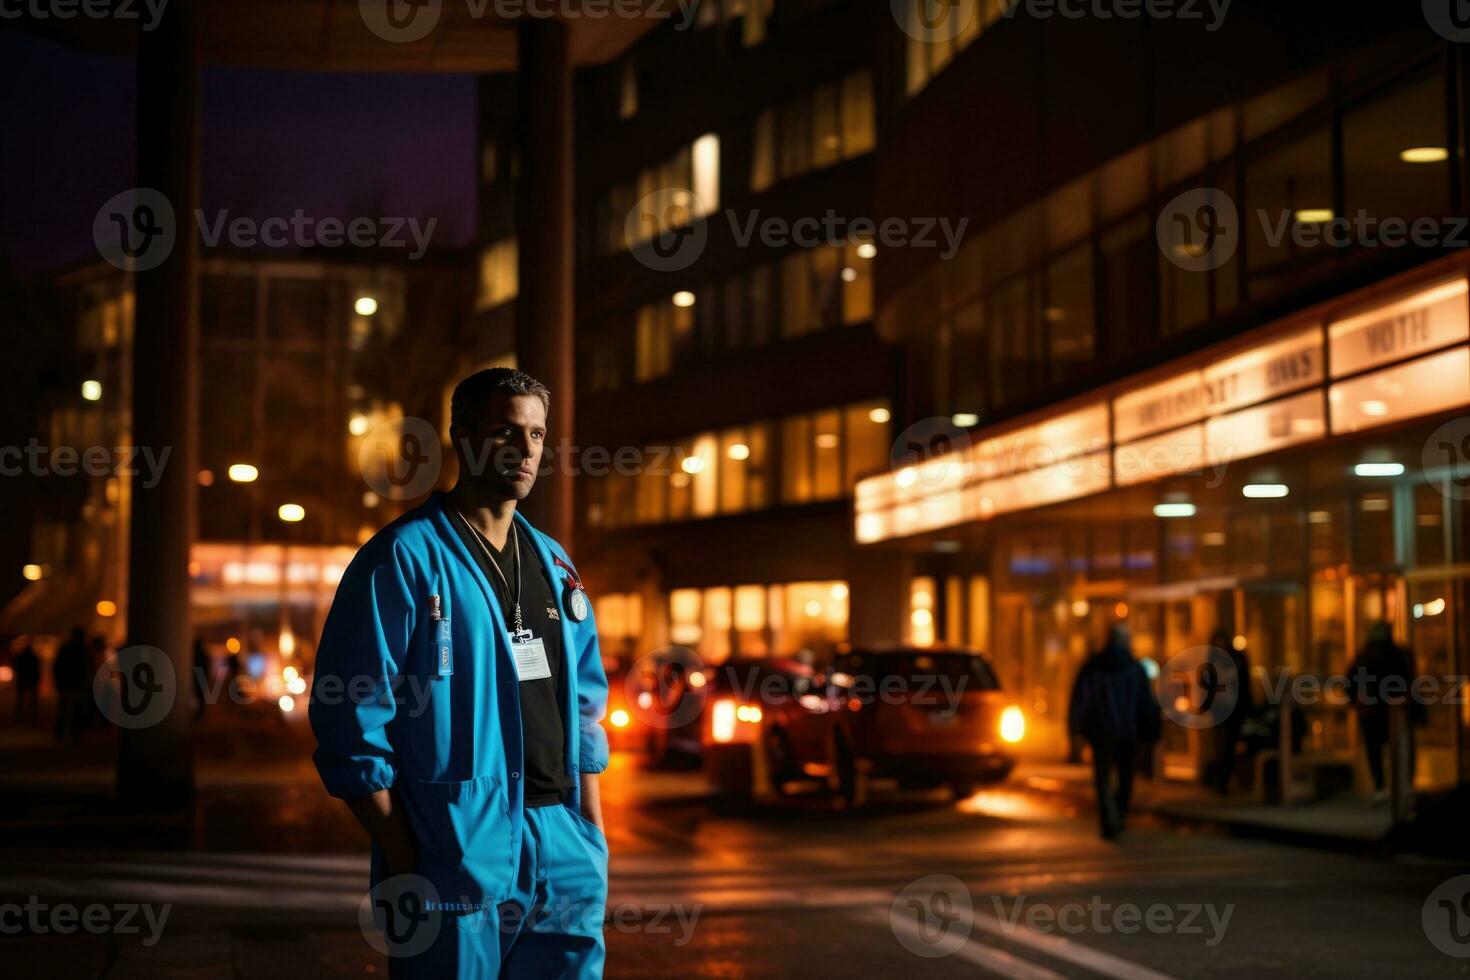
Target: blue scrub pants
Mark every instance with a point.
(551, 926)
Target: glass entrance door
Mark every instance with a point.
(1436, 606)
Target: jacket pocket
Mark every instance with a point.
(463, 831)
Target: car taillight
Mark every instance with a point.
(722, 720)
(731, 722)
(1012, 725)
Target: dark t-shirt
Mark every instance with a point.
(547, 780)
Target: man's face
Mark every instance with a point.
(502, 451)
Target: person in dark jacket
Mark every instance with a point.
(1113, 708)
(1227, 732)
(27, 668)
(70, 676)
(1380, 676)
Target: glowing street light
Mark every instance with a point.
(365, 306)
(243, 473)
(291, 513)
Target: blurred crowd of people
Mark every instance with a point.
(73, 668)
(1114, 710)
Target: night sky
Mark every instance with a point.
(338, 145)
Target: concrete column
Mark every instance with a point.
(544, 213)
(155, 763)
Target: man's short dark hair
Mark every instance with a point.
(471, 394)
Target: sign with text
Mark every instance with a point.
(1255, 375)
(1424, 321)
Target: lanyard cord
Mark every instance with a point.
(515, 597)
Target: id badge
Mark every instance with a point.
(529, 654)
(443, 648)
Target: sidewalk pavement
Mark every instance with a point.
(1337, 823)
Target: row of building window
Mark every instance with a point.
(814, 130)
(935, 32)
(800, 459)
(751, 15)
(668, 195)
(753, 620)
(1030, 301)
(760, 620)
(803, 292)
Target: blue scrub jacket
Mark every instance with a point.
(386, 714)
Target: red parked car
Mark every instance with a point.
(767, 722)
(925, 717)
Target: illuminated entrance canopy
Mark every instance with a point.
(1297, 383)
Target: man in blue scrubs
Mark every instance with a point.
(457, 702)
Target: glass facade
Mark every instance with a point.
(815, 130)
(1282, 488)
(805, 458)
(756, 620)
(1033, 302)
(806, 291)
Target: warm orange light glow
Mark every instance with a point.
(620, 718)
(1121, 610)
(106, 607)
(232, 645)
(722, 721)
(1012, 724)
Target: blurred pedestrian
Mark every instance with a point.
(1234, 710)
(70, 677)
(1113, 708)
(27, 667)
(1380, 676)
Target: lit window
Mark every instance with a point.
(498, 275)
(628, 89)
